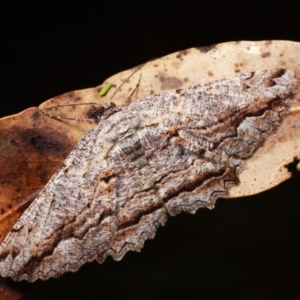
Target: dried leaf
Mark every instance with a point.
(185, 68)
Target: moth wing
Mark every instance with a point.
(70, 220)
(164, 154)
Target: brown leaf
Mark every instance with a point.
(32, 147)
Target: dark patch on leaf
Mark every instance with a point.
(181, 54)
(45, 144)
(170, 83)
(205, 49)
(265, 54)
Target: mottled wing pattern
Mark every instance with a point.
(164, 154)
(67, 224)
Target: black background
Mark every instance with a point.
(243, 249)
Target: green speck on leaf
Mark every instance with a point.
(105, 89)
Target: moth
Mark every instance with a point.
(162, 155)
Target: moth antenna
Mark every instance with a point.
(135, 89)
(57, 117)
(102, 93)
(126, 80)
